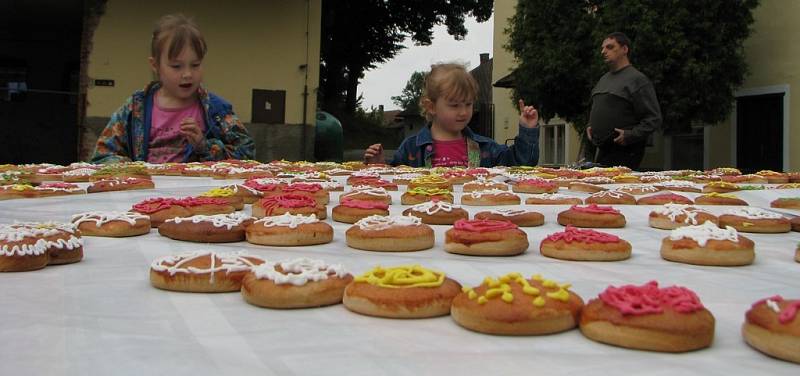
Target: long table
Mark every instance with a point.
(101, 316)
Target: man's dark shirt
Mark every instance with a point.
(624, 99)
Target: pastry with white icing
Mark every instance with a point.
(289, 230)
(708, 244)
(297, 283)
(202, 271)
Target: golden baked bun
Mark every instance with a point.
(351, 211)
(414, 196)
(756, 220)
(289, 230)
(578, 186)
(489, 198)
(63, 241)
(772, 326)
(365, 193)
(513, 305)
(534, 186)
(720, 187)
(553, 199)
(585, 245)
(112, 224)
(485, 238)
(679, 186)
(437, 212)
(401, 292)
(664, 198)
(708, 244)
(227, 195)
(297, 283)
(390, 234)
(672, 216)
(611, 197)
(202, 271)
(519, 217)
(719, 199)
(647, 317)
(21, 249)
(219, 228)
(248, 195)
(119, 184)
(288, 203)
(637, 189)
(786, 203)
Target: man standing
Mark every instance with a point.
(624, 108)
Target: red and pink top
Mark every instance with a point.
(572, 234)
(786, 314)
(650, 299)
(594, 209)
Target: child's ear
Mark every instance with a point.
(153, 65)
(427, 104)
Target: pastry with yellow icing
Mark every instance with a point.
(515, 305)
(402, 292)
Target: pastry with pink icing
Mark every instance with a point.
(772, 326)
(708, 244)
(288, 203)
(649, 317)
(485, 237)
(390, 234)
(534, 186)
(351, 210)
(585, 245)
(289, 230)
(592, 215)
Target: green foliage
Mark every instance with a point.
(357, 35)
(408, 100)
(691, 50)
(364, 127)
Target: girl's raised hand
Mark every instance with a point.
(193, 133)
(374, 154)
(528, 116)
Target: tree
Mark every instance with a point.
(359, 34)
(691, 49)
(408, 100)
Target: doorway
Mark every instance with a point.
(40, 42)
(759, 132)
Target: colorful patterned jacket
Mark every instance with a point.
(417, 150)
(126, 137)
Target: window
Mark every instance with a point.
(554, 144)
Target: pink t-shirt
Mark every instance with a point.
(166, 142)
(450, 153)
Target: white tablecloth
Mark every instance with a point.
(101, 316)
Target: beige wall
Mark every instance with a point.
(773, 56)
(252, 44)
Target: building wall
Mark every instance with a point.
(773, 56)
(252, 44)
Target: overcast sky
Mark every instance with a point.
(389, 79)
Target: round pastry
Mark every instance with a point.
(708, 244)
(534, 186)
(457, 176)
(265, 185)
(485, 237)
(678, 186)
(489, 198)
(63, 241)
(160, 209)
(578, 186)
(372, 182)
(206, 205)
(720, 187)
(611, 198)
(788, 186)
(749, 178)
(404, 179)
(702, 179)
(592, 215)
(289, 230)
(419, 195)
(112, 224)
(672, 216)
(21, 249)
(774, 177)
(553, 199)
(78, 175)
(362, 175)
(637, 189)
(483, 185)
(719, 199)
(227, 195)
(585, 245)
(772, 327)
(247, 194)
(655, 178)
(119, 184)
(298, 283)
(431, 181)
(312, 189)
(401, 292)
(786, 203)
(437, 212)
(365, 193)
(752, 219)
(57, 189)
(390, 234)
(519, 217)
(664, 198)
(288, 203)
(202, 271)
(219, 228)
(351, 211)
(513, 305)
(670, 319)
(598, 180)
